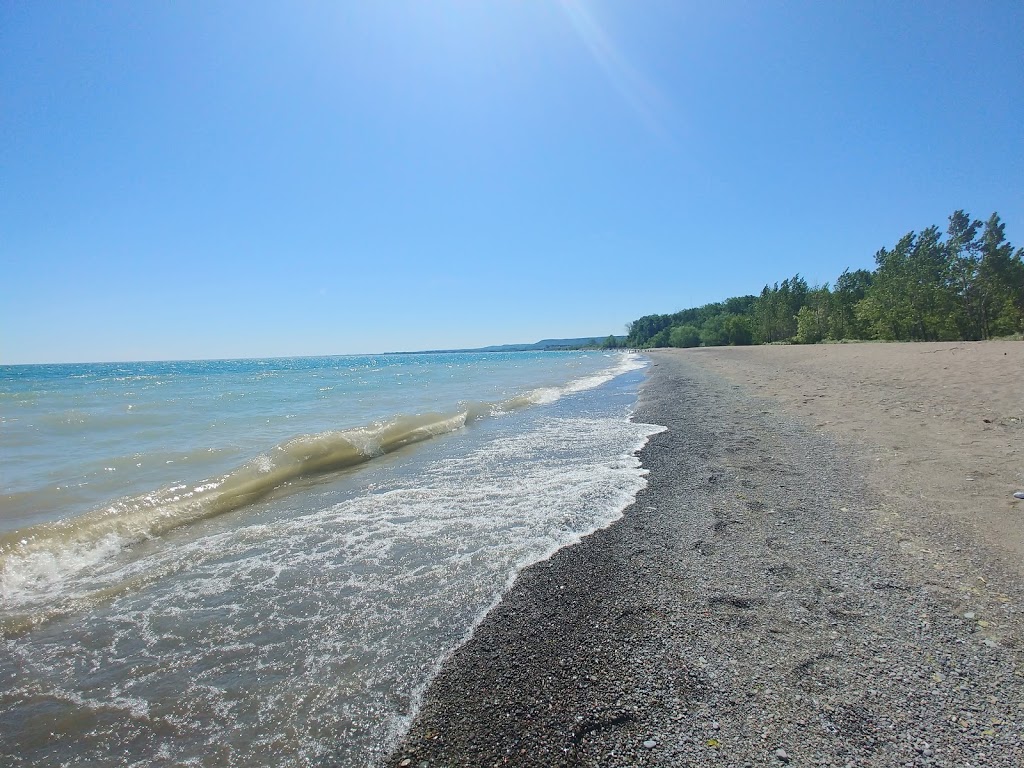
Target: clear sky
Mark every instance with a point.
(231, 179)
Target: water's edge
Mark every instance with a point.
(402, 727)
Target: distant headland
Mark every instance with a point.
(544, 345)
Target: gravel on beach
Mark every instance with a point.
(757, 605)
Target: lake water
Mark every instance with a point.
(263, 562)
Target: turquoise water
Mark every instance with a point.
(262, 562)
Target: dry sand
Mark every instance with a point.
(942, 422)
(825, 569)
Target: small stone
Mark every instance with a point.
(651, 743)
(782, 755)
(1019, 495)
(405, 763)
(970, 616)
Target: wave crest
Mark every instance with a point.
(36, 558)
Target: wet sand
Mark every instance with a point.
(825, 569)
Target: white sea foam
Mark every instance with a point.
(35, 561)
(622, 363)
(26, 578)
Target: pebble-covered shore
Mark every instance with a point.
(751, 608)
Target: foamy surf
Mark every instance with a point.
(547, 395)
(36, 560)
(302, 627)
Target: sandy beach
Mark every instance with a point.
(825, 569)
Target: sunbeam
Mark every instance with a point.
(642, 96)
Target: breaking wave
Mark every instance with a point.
(36, 559)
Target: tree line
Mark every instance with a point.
(964, 284)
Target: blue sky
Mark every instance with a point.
(185, 180)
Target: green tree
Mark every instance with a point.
(812, 320)
(932, 301)
(660, 339)
(714, 333)
(882, 310)
(774, 313)
(740, 305)
(850, 288)
(909, 297)
(963, 260)
(641, 331)
(738, 330)
(1000, 282)
(726, 329)
(684, 336)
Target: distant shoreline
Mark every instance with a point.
(548, 345)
